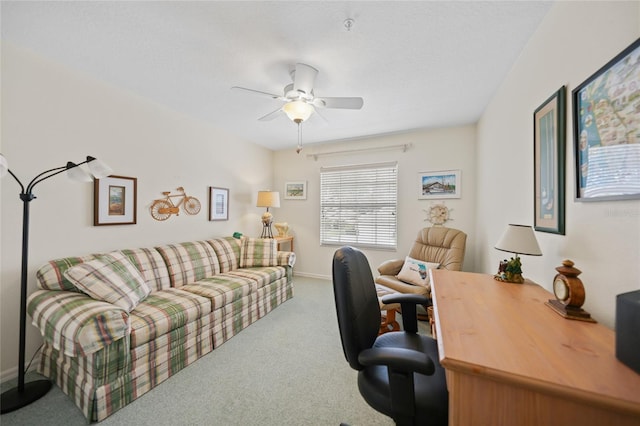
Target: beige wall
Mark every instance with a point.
(432, 150)
(51, 115)
(603, 238)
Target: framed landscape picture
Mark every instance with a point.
(606, 130)
(295, 190)
(549, 130)
(114, 201)
(218, 203)
(438, 185)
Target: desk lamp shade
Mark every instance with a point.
(519, 239)
(267, 199)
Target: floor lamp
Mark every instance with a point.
(25, 394)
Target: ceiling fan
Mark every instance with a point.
(299, 99)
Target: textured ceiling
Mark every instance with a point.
(420, 64)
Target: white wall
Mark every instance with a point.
(603, 238)
(51, 115)
(432, 150)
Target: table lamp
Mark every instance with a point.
(267, 199)
(517, 239)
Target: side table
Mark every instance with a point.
(284, 239)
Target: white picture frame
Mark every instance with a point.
(295, 190)
(439, 185)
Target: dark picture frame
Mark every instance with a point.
(549, 147)
(606, 130)
(115, 200)
(218, 203)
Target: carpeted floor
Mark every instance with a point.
(286, 369)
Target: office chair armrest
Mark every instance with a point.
(415, 299)
(408, 303)
(391, 267)
(399, 359)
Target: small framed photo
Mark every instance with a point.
(549, 129)
(114, 200)
(606, 113)
(218, 203)
(295, 190)
(439, 185)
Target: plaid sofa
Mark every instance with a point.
(197, 296)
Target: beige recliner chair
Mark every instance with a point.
(445, 246)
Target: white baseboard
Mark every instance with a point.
(309, 275)
(9, 374)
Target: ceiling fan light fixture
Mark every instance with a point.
(298, 111)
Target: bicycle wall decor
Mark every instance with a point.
(163, 208)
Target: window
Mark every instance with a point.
(358, 205)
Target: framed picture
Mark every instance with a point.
(606, 130)
(437, 185)
(218, 203)
(295, 190)
(549, 133)
(114, 200)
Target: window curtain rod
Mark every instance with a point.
(404, 147)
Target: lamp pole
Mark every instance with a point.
(25, 394)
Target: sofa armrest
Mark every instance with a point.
(391, 267)
(75, 324)
(286, 258)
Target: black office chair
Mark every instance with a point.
(398, 372)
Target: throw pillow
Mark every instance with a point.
(416, 271)
(258, 252)
(111, 278)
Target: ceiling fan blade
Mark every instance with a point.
(344, 103)
(304, 78)
(271, 115)
(271, 95)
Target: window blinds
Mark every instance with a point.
(358, 205)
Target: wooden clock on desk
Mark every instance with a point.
(569, 292)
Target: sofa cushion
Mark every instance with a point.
(75, 324)
(111, 278)
(50, 276)
(164, 311)
(222, 289)
(258, 252)
(189, 262)
(228, 251)
(416, 271)
(261, 275)
(151, 266)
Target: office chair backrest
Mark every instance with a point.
(356, 303)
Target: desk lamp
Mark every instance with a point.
(517, 239)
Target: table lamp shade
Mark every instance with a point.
(519, 239)
(268, 199)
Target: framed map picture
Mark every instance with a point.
(606, 130)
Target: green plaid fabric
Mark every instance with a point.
(164, 311)
(51, 275)
(228, 251)
(189, 262)
(151, 266)
(258, 252)
(104, 358)
(111, 278)
(75, 324)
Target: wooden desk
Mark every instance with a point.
(288, 238)
(510, 360)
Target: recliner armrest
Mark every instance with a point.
(399, 359)
(391, 267)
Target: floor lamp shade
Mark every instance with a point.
(267, 199)
(26, 393)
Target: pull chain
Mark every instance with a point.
(299, 148)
